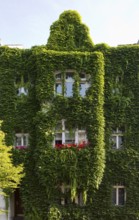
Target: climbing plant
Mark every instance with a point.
(68, 33)
(111, 102)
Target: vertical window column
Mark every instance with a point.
(84, 85)
(117, 139)
(58, 85)
(80, 136)
(69, 81)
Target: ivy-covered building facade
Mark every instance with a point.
(71, 111)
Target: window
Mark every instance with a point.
(83, 88)
(22, 90)
(117, 139)
(66, 199)
(64, 84)
(21, 84)
(21, 139)
(84, 85)
(64, 136)
(117, 85)
(118, 195)
(69, 84)
(58, 86)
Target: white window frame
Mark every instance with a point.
(117, 187)
(76, 134)
(22, 135)
(117, 134)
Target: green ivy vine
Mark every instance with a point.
(112, 101)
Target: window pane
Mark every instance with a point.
(121, 194)
(120, 141)
(25, 141)
(58, 76)
(114, 196)
(82, 89)
(114, 142)
(58, 127)
(58, 136)
(22, 90)
(69, 77)
(58, 88)
(87, 85)
(82, 76)
(69, 91)
(57, 142)
(18, 141)
(82, 137)
(69, 84)
(69, 138)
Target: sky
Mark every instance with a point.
(28, 22)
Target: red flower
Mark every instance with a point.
(21, 147)
(78, 146)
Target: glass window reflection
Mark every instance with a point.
(58, 88)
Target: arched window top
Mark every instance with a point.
(83, 76)
(69, 77)
(58, 76)
(69, 74)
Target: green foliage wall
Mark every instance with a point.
(111, 101)
(69, 34)
(120, 110)
(10, 61)
(81, 169)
